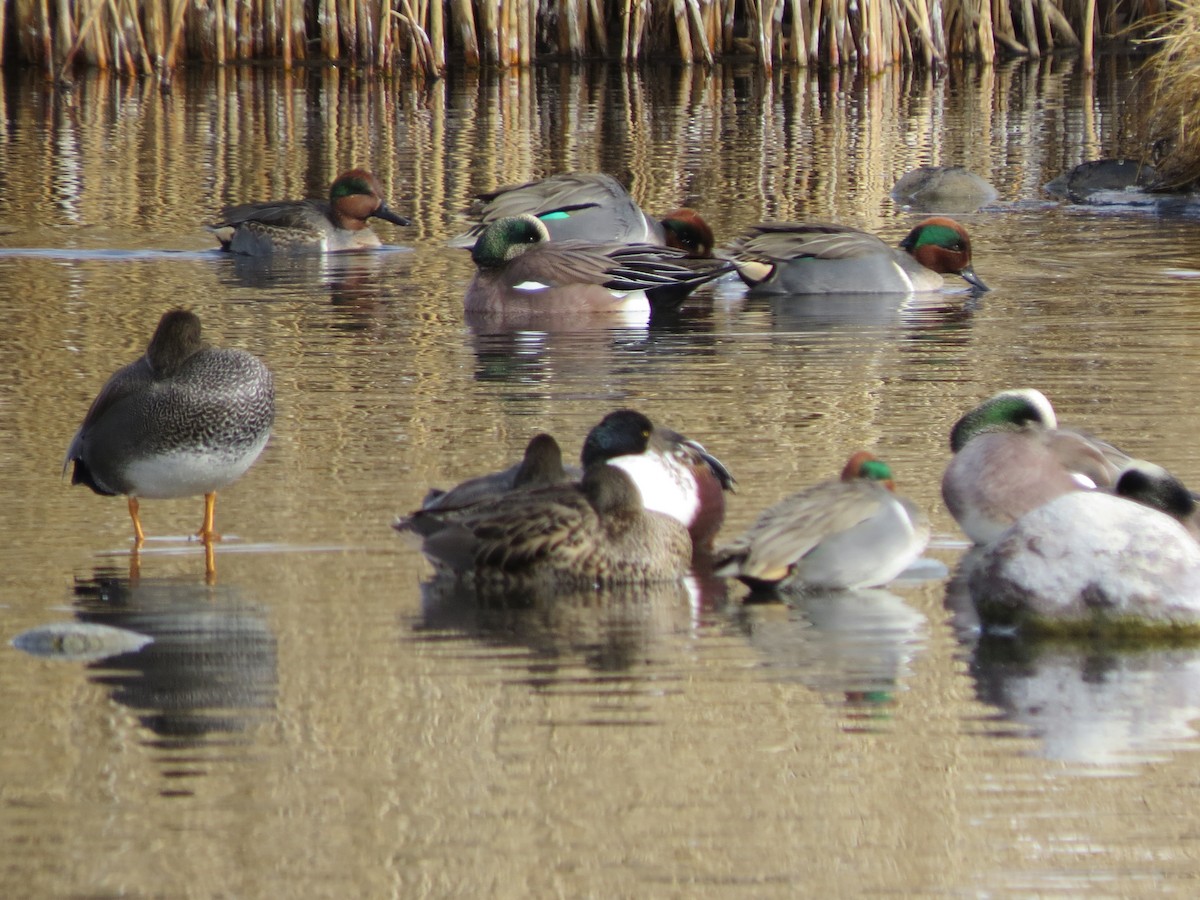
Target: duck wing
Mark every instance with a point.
(773, 241)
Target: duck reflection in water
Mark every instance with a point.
(211, 669)
(614, 630)
(856, 646)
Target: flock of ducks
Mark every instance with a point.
(645, 503)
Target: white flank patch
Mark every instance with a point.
(188, 473)
(530, 286)
(1083, 481)
(900, 271)
(666, 487)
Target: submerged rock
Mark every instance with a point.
(1090, 563)
(79, 641)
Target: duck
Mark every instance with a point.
(675, 475)
(1010, 457)
(847, 533)
(1101, 178)
(540, 466)
(593, 532)
(943, 189)
(519, 269)
(1089, 563)
(1153, 486)
(591, 206)
(184, 419)
(309, 226)
(821, 258)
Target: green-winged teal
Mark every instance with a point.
(519, 269)
(184, 419)
(817, 258)
(848, 533)
(309, 226)
(1010, 457)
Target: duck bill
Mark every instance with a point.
(972, 279)
(388, 216)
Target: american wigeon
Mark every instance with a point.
(1010, 457)
(519, 269)
(590, 207)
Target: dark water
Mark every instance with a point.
(318, 722)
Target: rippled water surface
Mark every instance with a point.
(318, 721)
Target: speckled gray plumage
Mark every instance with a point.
(182, 397)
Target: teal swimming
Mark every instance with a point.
(818, 258)
(519, 269)
(849, 533)
(591, 207)
(309, 226)
(184, 419)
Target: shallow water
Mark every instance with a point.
(320, 722)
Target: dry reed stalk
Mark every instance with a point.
(490, 29)
(64, 28)
(699, 34)
(985, 35)
(797, 49)
(528, 29)
(627, 30)
(175, 39)
(1089, 23)
(462, 18)
(598, 18)
(422, 50)
(219, 30)
(327, 22)
(47, 35)
(144, 57)
(682, 32)
(639, 26)
(437, 35)
(3, 33)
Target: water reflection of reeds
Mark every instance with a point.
(869, 35)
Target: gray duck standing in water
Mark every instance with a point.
(185, 419)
